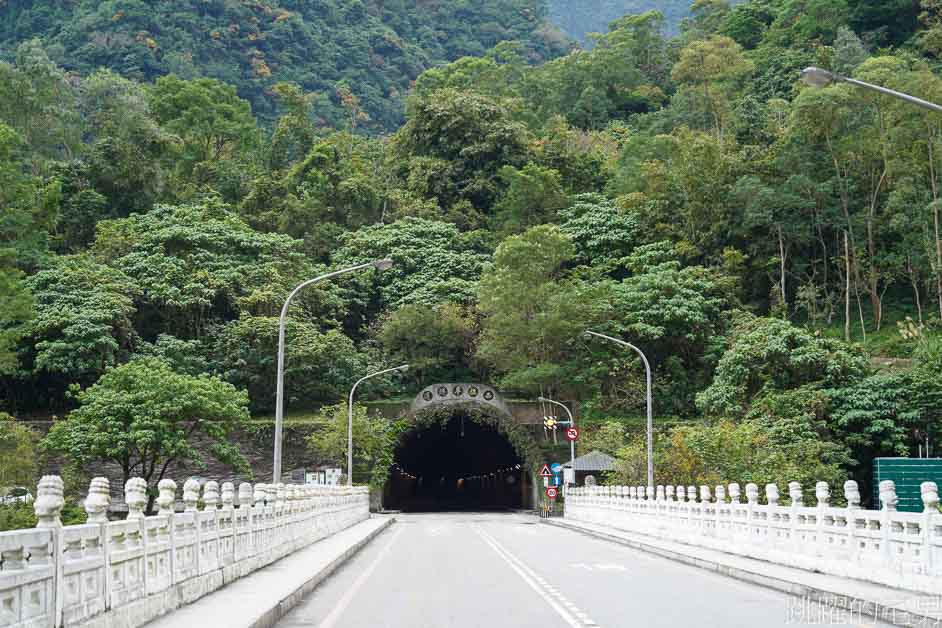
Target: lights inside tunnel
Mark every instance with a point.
(456, 464)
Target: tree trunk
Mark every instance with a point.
(782, 257)
(873, 273)
(846, 289)
(934, 185)
(916, 293)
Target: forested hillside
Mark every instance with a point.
(759, 239)
(374, 49)
(578, 19)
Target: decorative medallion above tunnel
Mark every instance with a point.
(439, 394)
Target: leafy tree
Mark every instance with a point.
(609, 437)
(126, 145)
(433, 261)
(145, 417)
(294, 133)
(318, 366)
(16, 307)
(29, 205)
(436, 341)
(197, 262)
(454, 144)
(678, 316)
(741, 452)
(374, 442)
(533, 196)
(207, 115)
(38, 102)
(83, 321)
(17, 454)
(713, 65)
(604, 236)
(531, 316)
(766, 354)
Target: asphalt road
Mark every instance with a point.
(464, 570)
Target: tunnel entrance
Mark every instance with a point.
(456, 464)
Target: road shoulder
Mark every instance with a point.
(895, 606)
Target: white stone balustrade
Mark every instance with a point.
(898, 549)
(126, 573)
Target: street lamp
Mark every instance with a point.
(380, 264)
(818, 77)
(572, 423)
(350, 418)
(647, 368)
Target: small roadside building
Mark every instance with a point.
(592, 463)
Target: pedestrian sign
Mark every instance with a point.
(545, 471)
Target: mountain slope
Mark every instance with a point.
(376, 48)
(578, 19)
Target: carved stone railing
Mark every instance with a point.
(898, 549)
(128, 572)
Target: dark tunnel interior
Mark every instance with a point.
(459, 465)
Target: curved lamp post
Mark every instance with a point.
(817, 77)
(380, 264)
(647, 368)
(572, 423)
(350, 418)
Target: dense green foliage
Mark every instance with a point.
(144, 416)
(758, 239)
(360, 55)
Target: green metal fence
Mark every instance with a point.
(908, 474)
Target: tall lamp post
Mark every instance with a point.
(350, 418)
(572, 423)
(647, 368)
(381, 265)
(817, 77)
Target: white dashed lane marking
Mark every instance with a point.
(570, 613)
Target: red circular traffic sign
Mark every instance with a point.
(552, 492)
(572, 433)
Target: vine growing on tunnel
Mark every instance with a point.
(515, 433)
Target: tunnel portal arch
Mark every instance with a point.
(446, 410)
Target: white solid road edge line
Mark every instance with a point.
(344, 602)
(538, 584)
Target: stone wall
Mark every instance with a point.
(123, 574)
(897, 549)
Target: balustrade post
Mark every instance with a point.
(796, 497)
(772, 497)
(930, 510)
(720, 496)
(704, 506)
(48, 508)
(135, 496)
(888, 500)
(852, 496)
(98, 500)
(211, 496)
(166, 497)
(228, 496)
(752, 501)
(191, 495)
(822, 493)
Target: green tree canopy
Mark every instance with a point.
(767, 355)
(145, 417)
